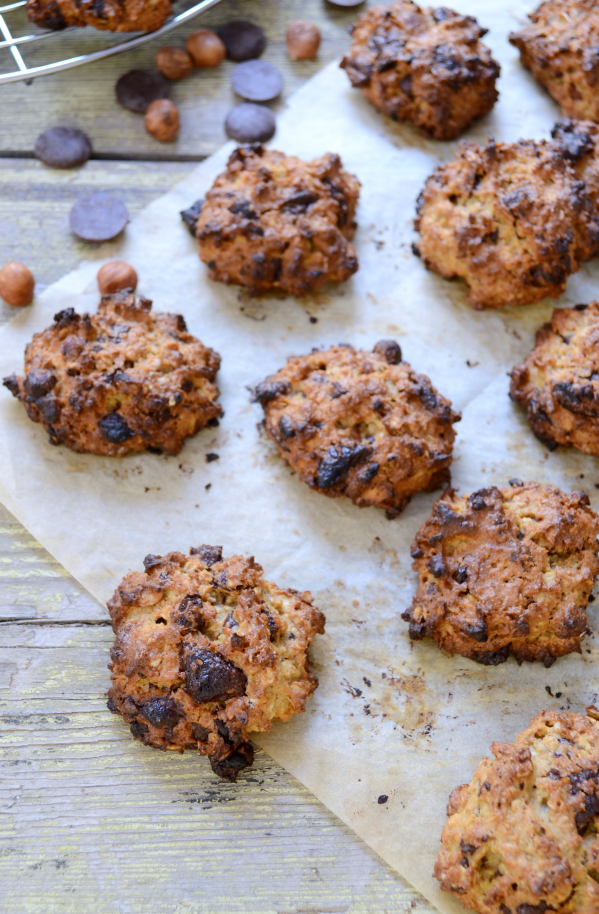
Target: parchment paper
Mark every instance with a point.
(390, 717)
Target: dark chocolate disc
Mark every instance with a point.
(346, 2)
(243, 40)
(137, 89)
(249, 123)
(257, 80)
(98, 217)
(63, 147)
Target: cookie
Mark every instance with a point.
(506, 571)
(558, 382)
(118, 381)
(360, 424)
(427, 66)
(111, 15)
(272, 222)
(559, 47)
(206, 652)
(511, 219)
(578, 142)
(521, 838)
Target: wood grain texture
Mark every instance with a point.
(85, 97)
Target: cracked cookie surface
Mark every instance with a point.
(360, 424)
(506, 571)
(559, 47)
(206, 652)
(120, 380)
(514, 220)
(427, 66)
(274, 223)
(558, 382)
(521, 838)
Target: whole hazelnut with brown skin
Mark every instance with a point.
(116, 276)
(16, 284)
(162, 120)
(174, 63)
(303, 39)
(206, 48)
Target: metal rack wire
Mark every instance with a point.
(13, 45)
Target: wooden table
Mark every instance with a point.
(92, 822)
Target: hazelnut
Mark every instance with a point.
(16, 284)
(162, 120)
(303, 39)
(206, 48)
(115, 277)
(174, 63)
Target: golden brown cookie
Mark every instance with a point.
(506, 571)
(272, 222)
(512, 219)
(558, 382)
(360, 424)
(120, 380)
(427, 66)
(207, 652)
(559, 48)
(521, 838)
(112, 15)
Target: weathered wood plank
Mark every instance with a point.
(85, 97)
(93, 821)
(35, 202)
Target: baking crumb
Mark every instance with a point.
(313, 320)
(211, 457)
(382, 799)
(207, 486)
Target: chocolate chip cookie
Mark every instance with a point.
(513, 220)
(521, 838)
(559, 47)
(427, 66)
(272, 222)
(120, 380)
(206, 652)
(360, 424)
(506, 571)
(111, 15)
(558, 382)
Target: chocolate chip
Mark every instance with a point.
(200, 732)
(209, 555)
(115, 429)
(152, 561)
(436, 565)
(137, 89)
(138, 729)
(389, 350)
(337, 462)
(229, 767)
(162, 712)
(98, 217)
(39, 382)
(516, 483)
(243, 40)
(382, 799)
(211, 457)
(63, 147)
(257, 81)
(270, 390)
(65, 317)
(191, 215)
(209, 677)
(250, 123)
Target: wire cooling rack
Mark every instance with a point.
(13, 45)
